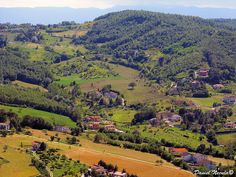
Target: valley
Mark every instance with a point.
(133, 92)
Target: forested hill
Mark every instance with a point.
(165, 46)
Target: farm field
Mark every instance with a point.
(142, 164)
(19, 162)
(225, 162)
(141, 92)
(66, 80)
(50, 117)
(226, 138)
(30, 86)
(121, 115)
(206, 103)
(173, 135)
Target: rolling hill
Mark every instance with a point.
(185, 43)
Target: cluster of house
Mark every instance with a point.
(96, 122)
(101, 171)
(110, 95)
(194, 160)
(230, 100)
(230, 125)
(168, 118)
(202, 72)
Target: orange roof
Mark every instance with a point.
(182, 150)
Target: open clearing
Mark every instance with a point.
(19, 162)
(30, 86)
(141, 92)
(226, 138)
(50, 117)
(142, 164)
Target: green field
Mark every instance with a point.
(122, 115)
(75, 77)
(142, 93)
(173, 135)
(226, 138)
(55, 119)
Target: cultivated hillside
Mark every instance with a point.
(164, 46)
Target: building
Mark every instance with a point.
(119, 174)
(230, 125)
(218, 86)
(36, 145)
(229, 100)
(196, 84)
(198, 160)
(202, 72)
(94, 126)
(178, 151)
(155, 122)
(112, 95)
(110, 127)
(99, 170)
(62, 129)
(4, 126)
(93, 119)
(172, 117)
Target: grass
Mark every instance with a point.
(28, 85)
(55, 119)
(66, 80)
(142, 93)
(173, 135)
(207, 102)
(122, 115)
(3, 161)
(225, 139)
(142, 164)
(18, 161)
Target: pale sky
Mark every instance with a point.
(103, 4)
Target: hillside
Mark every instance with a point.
(183, 44)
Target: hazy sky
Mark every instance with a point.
(103, 4)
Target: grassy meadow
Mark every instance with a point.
(55, 119)
(142, 92)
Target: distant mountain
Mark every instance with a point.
(165, 46)
(49, 15)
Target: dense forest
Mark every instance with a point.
(185, 43)
(16, 66)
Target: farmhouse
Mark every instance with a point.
(229, 100)
(230, 125)
(94, 126)
(4, 126)
(92, 119)
(110, 127)
(164, 117)
(155, 122)
(111, 95)
(62, 129)
(119, 174)
(99, 170)
(178, 151)
(218, 86)
(196, 84)
(168, 116)
(198, 160)
(202, 72)
(36, 145)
